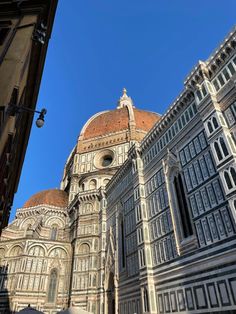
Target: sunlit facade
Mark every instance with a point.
(144, 221)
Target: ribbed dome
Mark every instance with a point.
(53, 197)
(118, 120)
(114, 127)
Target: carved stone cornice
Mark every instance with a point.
(40, 210)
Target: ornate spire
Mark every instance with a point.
(125, 100)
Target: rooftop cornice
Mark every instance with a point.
(185, 98)
(39, 210)
(198, 74)
(203, 70)
(227, 44)
(83, 197)
(216, 60)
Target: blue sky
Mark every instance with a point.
(99, 47)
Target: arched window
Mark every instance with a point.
(233, 175)
(105, 181)
(215, 123)
(54, 232)
(82, 187)
(224, 148)
(52, 286)
(92, 185)
(218, 152)
(227, 180)
(210, 128)
(84, 248)
(183, 206)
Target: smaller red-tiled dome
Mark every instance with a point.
(58, 198)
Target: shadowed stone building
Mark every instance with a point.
(25, 29)
(144, 221)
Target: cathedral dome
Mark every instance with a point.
(123, 118)
(53, 197)
(117, 120)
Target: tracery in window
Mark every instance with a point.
(212, 125)
(230, 178)
(221, 149)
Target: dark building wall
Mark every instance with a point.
(23, 49)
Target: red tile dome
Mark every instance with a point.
(54, 197)
(113, 121)
(124, 118)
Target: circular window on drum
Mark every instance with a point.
(104, 159)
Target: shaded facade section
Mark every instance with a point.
(35, 257)
(25, 29)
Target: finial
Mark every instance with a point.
(124, 100)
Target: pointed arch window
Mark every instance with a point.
(227, 180)
(183, 206)
(221, 149)
(230, 178)
(233, 175)
(52, 287)
(215, 122)
(84, 248)
(224, 147)
(92, 185)
(210, 128)
(218, 152)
